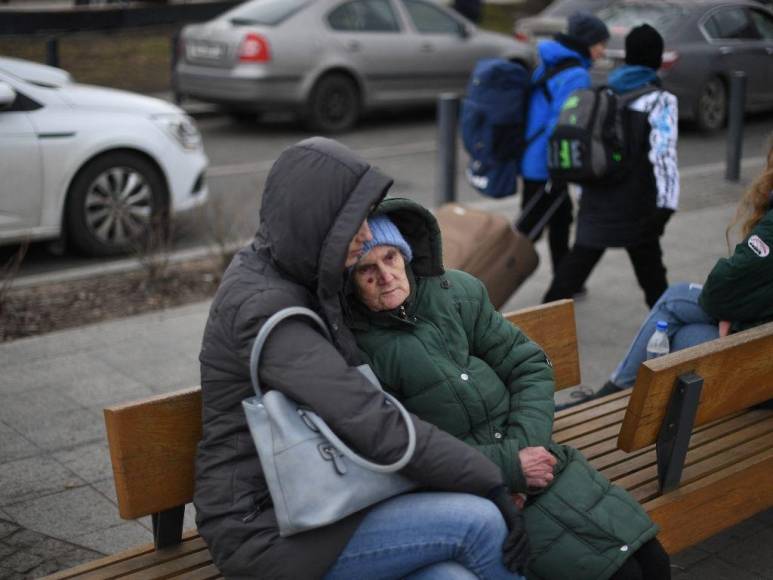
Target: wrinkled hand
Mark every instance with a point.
(537, 465)
(516, 549)
(724, 327)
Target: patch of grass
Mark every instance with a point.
(502, 17)
(136, 59)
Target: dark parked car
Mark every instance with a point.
(705, 41)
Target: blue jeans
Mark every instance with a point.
(688, 325)
(426, 536)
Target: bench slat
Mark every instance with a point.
(583, 412)
(590, 426)
(129, 561)
(613, 456)
(610, 432)
(732, 494)
(178, 567)
(737, 372)
(146, 561)
(204, 573)
(552, 326)
(644, 484)
(700, 449)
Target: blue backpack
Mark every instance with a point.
(493, 122)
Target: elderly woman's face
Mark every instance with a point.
(381, 280)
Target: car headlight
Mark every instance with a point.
(182, 128)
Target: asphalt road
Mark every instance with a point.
(403, 145)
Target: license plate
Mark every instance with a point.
(204, 50)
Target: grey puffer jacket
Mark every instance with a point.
(316, 197)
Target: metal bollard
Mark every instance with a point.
(735, 125)
(448, 119)
(52, 52)
(173, 57)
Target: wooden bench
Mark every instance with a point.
(715, 478)
(686, 441)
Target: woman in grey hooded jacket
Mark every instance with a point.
(312, 225)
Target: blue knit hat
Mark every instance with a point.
(385, 233)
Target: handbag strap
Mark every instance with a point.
(265, 330)
(312, 418)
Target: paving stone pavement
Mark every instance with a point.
(57, 500)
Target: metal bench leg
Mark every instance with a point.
(168, 527)
(674, 437)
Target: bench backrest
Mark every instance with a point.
(153, 441)
(152, 449)
(737, 373)
(552, 326)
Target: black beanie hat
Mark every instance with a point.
(586, 29)
(644, 46)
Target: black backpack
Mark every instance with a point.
(590, 144)
(493, 122)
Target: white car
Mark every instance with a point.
(99, 166)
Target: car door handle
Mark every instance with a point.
(427, 47)
(725, 50)
(353, 46)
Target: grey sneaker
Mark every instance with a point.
(577, 396)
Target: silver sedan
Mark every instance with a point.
(330, 60)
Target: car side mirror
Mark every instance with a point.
(7, 95)
(464, 31)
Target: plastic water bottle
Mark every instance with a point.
(658, 344)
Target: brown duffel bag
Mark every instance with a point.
(487, 246)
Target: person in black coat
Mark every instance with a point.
(631, 213)
(313, 226)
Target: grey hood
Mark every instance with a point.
(317, 195)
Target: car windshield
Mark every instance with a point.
(663, 16)
(268, 12)
(561, 8)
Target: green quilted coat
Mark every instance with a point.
(456, 362)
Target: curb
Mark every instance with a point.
(117, 267)
(133, 264)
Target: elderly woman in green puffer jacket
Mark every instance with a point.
(435, 340)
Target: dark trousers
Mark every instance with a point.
(650, 562)
(573, 271)
(558, 224)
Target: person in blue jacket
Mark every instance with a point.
(563, 68)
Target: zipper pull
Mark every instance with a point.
(403, 314)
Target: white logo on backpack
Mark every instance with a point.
(758, 246)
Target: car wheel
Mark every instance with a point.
(334, 104)
(712, 106)
(115, 205)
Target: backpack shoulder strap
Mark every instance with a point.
(550, 72)
(627, 98)
(542, 85)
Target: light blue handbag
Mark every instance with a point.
(314, 479)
